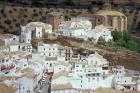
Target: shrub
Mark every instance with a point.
(25, 16)
(2, 11)
(35, 14)
(10, 11)
(14, 20)
(7, 21)
(15, 9)
(17, 24)
(34, 10)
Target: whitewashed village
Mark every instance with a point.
(52, 68)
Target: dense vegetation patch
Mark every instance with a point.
(125, 40)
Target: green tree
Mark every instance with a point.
(127, 36)
(116, 35)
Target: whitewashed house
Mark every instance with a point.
(13, 46)
(61, 66)
(10, 41)
(7, 38)
(48, 49)
(138, 85)
(34, 30)
(25, 36)
(4, 49)
(100, 32)
(25, 47)
(119, 70)
(124, 83)
(84, 75)
(61, 54)
(6, 65)
(25, 85)
(75, 28)
(82, 28)
(96, 60)
(64, 53)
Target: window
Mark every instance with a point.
(104, 68)
(51, 65)
(3, 61)
(49, 54)
(88, 79)
(7, 60)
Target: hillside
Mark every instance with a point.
(11, 17)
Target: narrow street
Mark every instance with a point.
(44, 86)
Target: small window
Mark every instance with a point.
(7, 60)
(3, 61)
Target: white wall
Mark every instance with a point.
(49, 50)
(25, 84)
(64, 91)
(14, 48)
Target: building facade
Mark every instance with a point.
(55, 18)
(115, 20)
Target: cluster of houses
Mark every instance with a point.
(88, 73)
(20, 62)
(82, 28)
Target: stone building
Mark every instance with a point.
(114, 20)
(55, 18)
